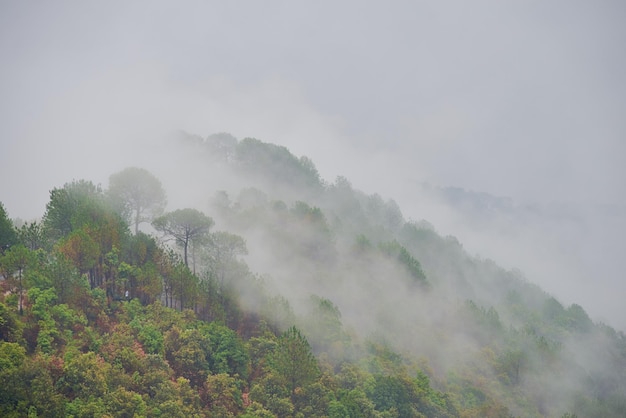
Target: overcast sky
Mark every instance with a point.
(525, 99)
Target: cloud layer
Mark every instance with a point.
(525, 100)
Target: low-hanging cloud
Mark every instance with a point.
(524, 100)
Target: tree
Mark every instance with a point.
(70, 207)
(83, 251)
(228, 353)
(223, 395)
(89, 230)
(13, 264)
(125, 403)
(32, 235)
(393, 249)
(12, 358)
(185, 286)
(188, 353)
(222, 252)
(578, 318)
(140, 270)
(8, 235)
(186, 226)
(294, 361)
(324, 327)
(396, 392)
(137, 195)
(10, 326)
(59, 271)
(85, 376)
(276, 163)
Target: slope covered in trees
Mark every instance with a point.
(282, 296)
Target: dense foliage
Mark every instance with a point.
(314, 300)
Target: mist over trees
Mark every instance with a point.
(137, 195)
(282, 295)
(189, 227)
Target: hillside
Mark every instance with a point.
(235, 281)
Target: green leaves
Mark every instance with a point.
(12, 355)
(70, 207)
(223, 395)
(13, 264)
(85, 376)
(188, 352)
(294, 361)
(8, 236)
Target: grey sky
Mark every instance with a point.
(520, 98)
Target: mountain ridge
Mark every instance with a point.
(402, 321)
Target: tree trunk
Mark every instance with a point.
(21, 291)
(137, 210)
(185, 251)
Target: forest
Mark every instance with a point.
(276, 293)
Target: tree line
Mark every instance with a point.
(96, 320)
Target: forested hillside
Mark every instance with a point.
(275, 293)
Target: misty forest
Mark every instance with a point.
(276, 294)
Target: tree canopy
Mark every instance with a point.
(186, 226)
(8, 236)
(137, 195)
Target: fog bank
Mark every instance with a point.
(524, 101)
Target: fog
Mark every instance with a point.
(521, 100)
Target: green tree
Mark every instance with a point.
(91, 407)
(294, 361)
(13, 265)
(188, 353)
(323, 326)
(94, 245)
(10, 325)
(140, 267)
(39, 376)
(165, 263)
(271, 392)
(83, 251)
(85, 376)
(185, 286)
(137, 195)
(12, 355)
(8, 236)
(186, 226)
(31, 234)
(357, 403)
(124, 403)
(511, 365)
(109, 232)
(46, 330)
(78, 208)
(223, 395)
(177, 399)
(71, 286)
(228, 353)
(396, 392)
(69, 207)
